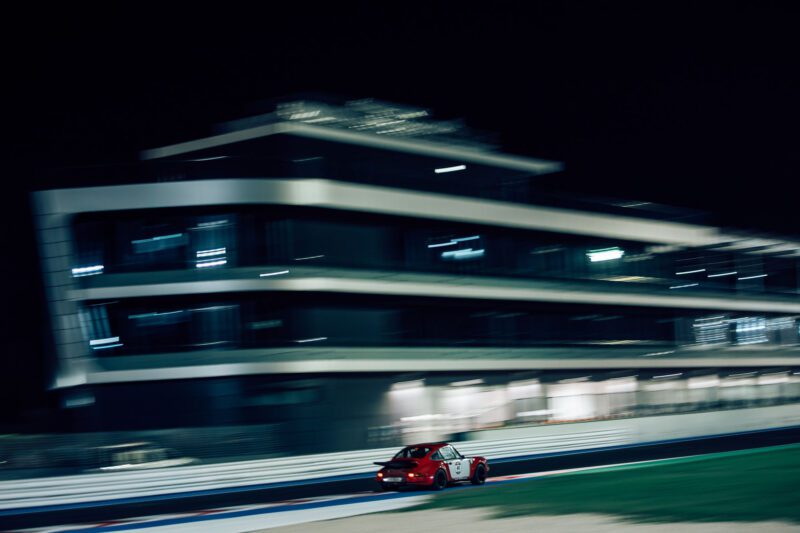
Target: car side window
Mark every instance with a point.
(436, 456)
(458, 454)
(447, 453)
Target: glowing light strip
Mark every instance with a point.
(684, 286)
(754, 277)
(450, 169)
(158, 238)
(609, 254)
(109, 340)
(668, 376)
(209, 158)
(722, 274)
(212, 224)
(463, 254)
(209, 253)
(106, 346)
(212, 263)
(148, 315)
(87, 271)
(690, 272)
(267, 274)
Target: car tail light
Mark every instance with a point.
(380, 474)
(411, 474)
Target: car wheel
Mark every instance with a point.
(479, 477)
(439, 480)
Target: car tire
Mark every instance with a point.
(439, 480)
(479, 477)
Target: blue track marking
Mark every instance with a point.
(279, 509)
(250, 512)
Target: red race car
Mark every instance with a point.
(433, 465)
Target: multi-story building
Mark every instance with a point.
(361, 274)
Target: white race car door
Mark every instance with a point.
(459, 468)
(464, 464)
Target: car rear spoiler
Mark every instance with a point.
(398, 464)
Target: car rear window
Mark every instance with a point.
(412, 452)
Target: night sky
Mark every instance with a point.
(692, 104)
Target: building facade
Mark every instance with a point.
(362, 275)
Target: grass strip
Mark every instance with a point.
(750, 485)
